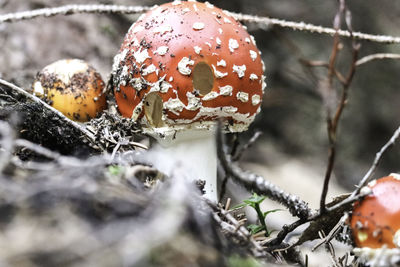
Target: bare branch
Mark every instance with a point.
(300, 26)
(376, 162)
(71, 9)
(349, 200)
(275, 243)
(333, 122)
(330, 94)
(377, 56)
(328, 172)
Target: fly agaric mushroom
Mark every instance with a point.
(73, 87)
(181, 67)
(375, 221)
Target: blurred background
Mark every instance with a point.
(293, 150)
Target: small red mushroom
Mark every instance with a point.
(375, 220)
(184, 65)
(73, 87)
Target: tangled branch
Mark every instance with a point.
(357, 194)
(229, 224)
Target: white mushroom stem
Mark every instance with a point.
(195, 152)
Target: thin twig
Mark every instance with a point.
(336, 41)
(228, 203)
(246, 146)
(71, 9)
(328, 85)
(333, 122)
(348, 200)
(236, 228)
(301, 26)
(333, 232)
(286, 229)
(328, 172)
(330, 248)
(314, 63)
(377, 56)
(376, 162)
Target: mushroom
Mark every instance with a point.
(375, 221)
(181, 67)
(73, 87)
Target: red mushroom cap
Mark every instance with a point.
(376, 219)
(185, 63)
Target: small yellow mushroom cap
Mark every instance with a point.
(73, 87)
